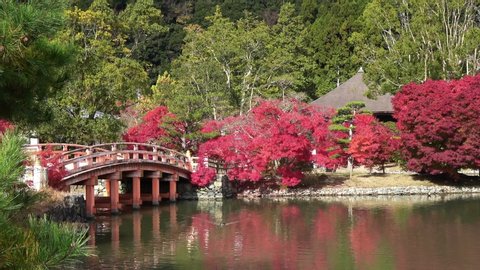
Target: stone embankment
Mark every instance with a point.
(72, 209)
(218, 190)
(351, 191)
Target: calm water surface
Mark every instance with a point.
(369, 233)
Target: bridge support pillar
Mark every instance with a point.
(90, 197)
(155, 191)
(136, 193)
(114, 195)
(173, 190)
(107, 187)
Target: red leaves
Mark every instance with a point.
(203, 176)
(160, 127)
(439, 125)
(372, 143)
(4, 125)
(274, 141)
(55, 171)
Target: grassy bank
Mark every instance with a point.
(394, 177)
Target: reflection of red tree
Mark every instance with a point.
(229, 239)
(274, 239)
(364, 239)
(325, 233)
(326, 221)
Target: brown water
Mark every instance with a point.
(369, 233)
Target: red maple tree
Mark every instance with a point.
(373, 144)
(5, 125)
(439, 125)
(274, 141)
(159, 126)
(51, 160)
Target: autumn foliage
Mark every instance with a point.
(439, 125)
(272, 142)
(159, 126)
(51, 160)
(4, 125)
(373, 144)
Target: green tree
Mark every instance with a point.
(309, 10)
(142, 19)
(289, 64)
(343, 128)
(413, 40)
(32, 60)
(328, 36)
(104, 80)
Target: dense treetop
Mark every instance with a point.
(82, 71)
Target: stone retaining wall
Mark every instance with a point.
(351, 191)
(71, 210)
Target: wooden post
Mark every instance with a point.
(155, 191)
(135, 154)
(107, 187)
(114, 196)
(136, 193)
(90, 197)
(173, 190)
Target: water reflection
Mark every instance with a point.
(291, 235)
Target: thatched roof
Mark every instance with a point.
(354, 89)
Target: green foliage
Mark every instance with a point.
(32, 59)
(11, 159)
(414, 40)
(38, 244)
(342, 126)
(142, 19)
(328, 36)
(60, 243)
(346, 113)
(104, 81)
(226, 67)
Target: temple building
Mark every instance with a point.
(354, 89)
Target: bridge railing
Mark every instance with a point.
(124, 156)
(78, 157)
(56, 148)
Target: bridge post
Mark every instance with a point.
(135, 154)
(136, 193)
(155, 191)
(173, 188)
(90, 197)
(114, 196)
(108, 187)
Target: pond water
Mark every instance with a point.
(335, 233)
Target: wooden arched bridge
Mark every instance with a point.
(148, 172)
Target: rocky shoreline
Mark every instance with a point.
(71, 209)
(353, 191)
